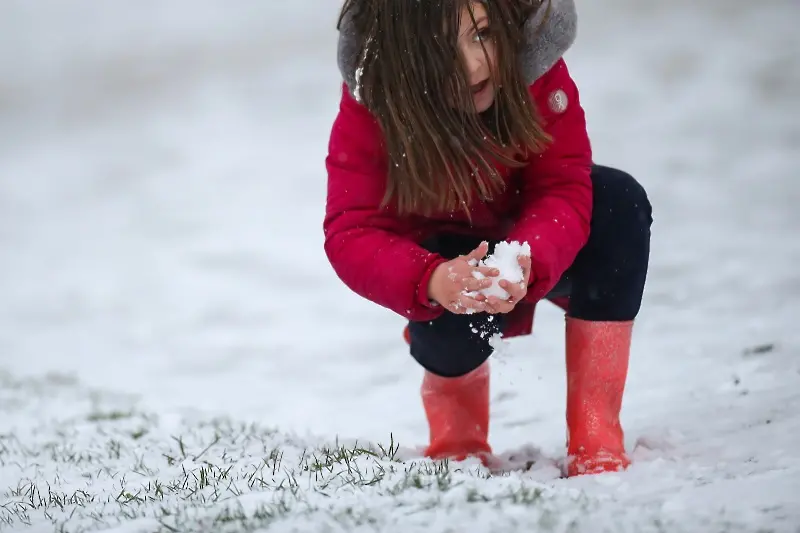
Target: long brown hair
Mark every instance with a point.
(409, 77)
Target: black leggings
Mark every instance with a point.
(604, 283)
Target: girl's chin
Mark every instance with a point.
(484, 99)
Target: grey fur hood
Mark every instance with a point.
(542, 50)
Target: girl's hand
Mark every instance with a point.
(516, 291)
(451, 281)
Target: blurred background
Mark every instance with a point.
(162, 188)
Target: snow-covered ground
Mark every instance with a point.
(161, 197)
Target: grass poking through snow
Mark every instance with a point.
(77, 461)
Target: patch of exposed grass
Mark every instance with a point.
(105, 462)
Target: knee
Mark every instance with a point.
(448, 353)
(621, 202)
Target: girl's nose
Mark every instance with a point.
(473, 61)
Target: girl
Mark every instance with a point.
(459, 127)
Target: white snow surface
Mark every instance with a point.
(162, 190)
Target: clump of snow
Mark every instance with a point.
(360, 73)
(357, 90)
(505, 258)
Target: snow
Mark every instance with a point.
(156, 167)
(505, 258)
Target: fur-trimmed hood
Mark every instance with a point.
(543, 48)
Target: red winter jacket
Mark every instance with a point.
(547, 203)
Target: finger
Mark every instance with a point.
(469, 302)
(490, 308)
(488, 271)
(478, 253)
(474, 285)
(456, 309)
(516, 291)
(525, 263)
(499, 306)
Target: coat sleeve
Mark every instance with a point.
(364, 242)
(556, 186)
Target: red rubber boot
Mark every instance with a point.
(597, 356)
(457, 410)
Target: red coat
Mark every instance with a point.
(547, 203)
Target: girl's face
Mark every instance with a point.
(478, 65)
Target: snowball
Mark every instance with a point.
(506, 259)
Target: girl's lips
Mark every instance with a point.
(478, 87)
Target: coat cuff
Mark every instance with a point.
(422, 290)
(542, 272)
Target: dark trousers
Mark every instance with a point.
(604, 283)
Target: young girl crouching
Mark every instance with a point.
(460, 127)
